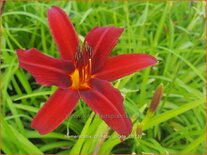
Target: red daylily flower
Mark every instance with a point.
(84, 71)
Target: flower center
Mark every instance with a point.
(82, 74)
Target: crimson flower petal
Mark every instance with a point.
(102, 40)
(119, 66)
(108, 103)
(63, 32)
(46, 70)
(55, 110)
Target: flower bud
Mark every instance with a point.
(139, 131)
(156, 98)
(2, 4)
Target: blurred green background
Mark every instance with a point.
(174, 32)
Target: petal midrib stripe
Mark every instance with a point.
(44, 66)
(114, 107)
(100, 40)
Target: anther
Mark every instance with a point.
(90, 52)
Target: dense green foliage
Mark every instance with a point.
(174, 32)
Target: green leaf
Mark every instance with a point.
(14, 142)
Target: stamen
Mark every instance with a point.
(83, 58)
(90, 66)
